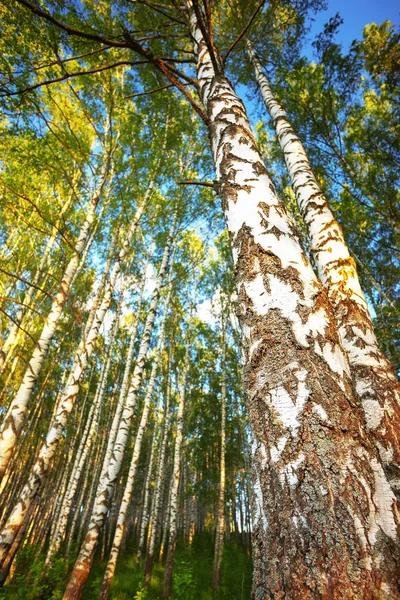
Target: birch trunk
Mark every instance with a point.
(12, 338)
(15, 417)
(111, 470)
(153, 522)
(165, 518)
(67, 400)
(219, 536)
(125, 380)
(123, 511)
(376, 384)
(176, 470)
(85, 445)
(146, 501)
(56, 429)
(325, 520)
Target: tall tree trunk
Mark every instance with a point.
(111, 470)
(316, 474)
(153, 522)
(146, 500)
(219, 535)
(57, 426)
(126, 498)
(176, 470)
(15, 417)
(376, 384)
(25, 309)
(85, 445)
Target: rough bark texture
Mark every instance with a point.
(325, 520)
(376, 384)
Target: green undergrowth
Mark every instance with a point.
(192, 576)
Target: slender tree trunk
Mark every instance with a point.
(85, 445)
(146, 501)
(376, 384)
(126, 498)
(14, 420)
(159, 486)
(176, 470)
(219, 536)
(316, 474)
(56, 429)
(165, 523)
(111, 470)
(12, 338)
(71, 391)
(6, 566)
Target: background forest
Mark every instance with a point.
(130, 456)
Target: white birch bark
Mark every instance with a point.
(85, 445)
(146, 501)
(56, 429)
(315, 469)
(12, 338)
(160, 484)
(176, 471)
(111, 471)
(220, 527)
(15, 417)
(69, 395)
(376, 384)
(126, 498)
(165, 520)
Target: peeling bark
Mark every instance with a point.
(325, 518)
(375, 382)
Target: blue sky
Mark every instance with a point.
(356, 14)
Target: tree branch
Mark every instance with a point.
(76, 74)
(206, 37)
(210, 184)
(70, 30)
(129, 42)
(244, 31)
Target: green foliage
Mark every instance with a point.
(192, 574)
(184, 583)
(35, 581)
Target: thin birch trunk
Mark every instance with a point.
(111, 470)
(176, 470)
(71, 391)
(125, 380)
(126, 498)
(85, 445)
(315, 470)
(15, 417)
(25, 309)
(146, 501)
(165, 518)
(54, 434)
(219, 536)
(376, 384)
(160, 484)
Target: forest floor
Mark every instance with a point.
(192, 576)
